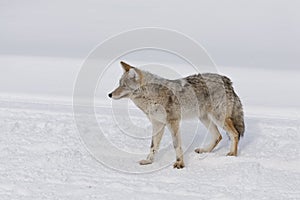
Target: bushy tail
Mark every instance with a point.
(238, 116)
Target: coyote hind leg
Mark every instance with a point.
(234, 136)
(216, 136)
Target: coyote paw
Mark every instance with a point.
(178, 164)
(232, 154)
(145, 162)
(199, 150)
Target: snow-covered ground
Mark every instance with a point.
(43, 156)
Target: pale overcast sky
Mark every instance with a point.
(256, 33)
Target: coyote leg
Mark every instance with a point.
(216, 136)
(173, 126)
(234, 137)
(157, 133)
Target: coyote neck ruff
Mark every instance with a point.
(209, 97)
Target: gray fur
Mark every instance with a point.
(209, 97)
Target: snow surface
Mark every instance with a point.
(43, 155)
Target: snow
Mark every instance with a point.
(42, 157)
(46, 154)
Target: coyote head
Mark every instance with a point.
(129, 82)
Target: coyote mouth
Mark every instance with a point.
(120, 97)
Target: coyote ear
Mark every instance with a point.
(133, 74)
(125, 66)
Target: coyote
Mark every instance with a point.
(209, 97)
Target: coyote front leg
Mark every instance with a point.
(173, 125)
(157, 133)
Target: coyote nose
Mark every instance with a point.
(110, 95)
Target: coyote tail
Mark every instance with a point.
(238, 116)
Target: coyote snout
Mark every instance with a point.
(209, 97)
